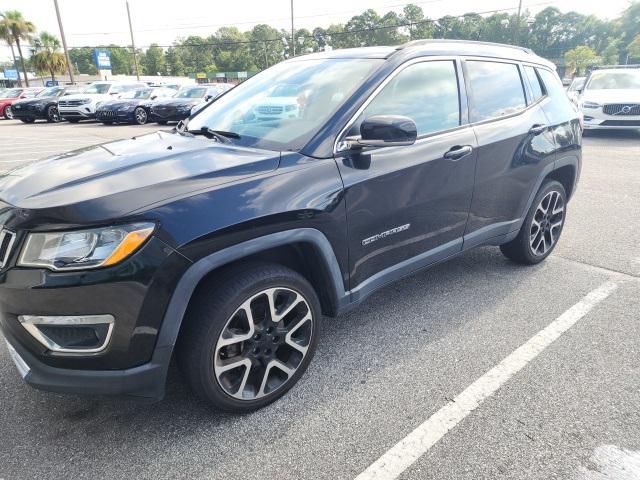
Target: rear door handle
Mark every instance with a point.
(537, 129)
(457, 152)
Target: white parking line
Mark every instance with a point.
(401, 456)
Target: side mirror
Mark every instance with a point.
(208, 97)
(385, 131)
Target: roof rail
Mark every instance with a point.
(414, 43)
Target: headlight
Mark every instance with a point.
(591, 105)
(84, 249)
(289, 108)
(85, 100)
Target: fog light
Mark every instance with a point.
(70, 334)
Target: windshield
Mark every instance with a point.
(614, 80)
(97, 88)
(197, 92)
(50, 92)
(280, 121)
(141, 93)
(12, 93)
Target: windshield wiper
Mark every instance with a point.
(220, 135)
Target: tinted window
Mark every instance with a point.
(552, 84)
(534, 81)
(496, 88)
(426, 92)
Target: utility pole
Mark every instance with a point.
(133, 43)
(64, 42)
(293, 40)
(516, 30)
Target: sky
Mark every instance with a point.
(93, 22)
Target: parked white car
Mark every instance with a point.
(283, 101)
(610, 99)
(83, 105)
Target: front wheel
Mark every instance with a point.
(542, 226)
(249, 336)
(52, 114)
(8, 113)
(140, 116)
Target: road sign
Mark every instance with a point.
(10, 74)
(102, 59)
(51, 83)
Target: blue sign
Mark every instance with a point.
(102, 59)
(10, 74)
(51, 83)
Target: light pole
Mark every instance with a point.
(133, 43)
(64, 42)
(293, 42)
(516, 30)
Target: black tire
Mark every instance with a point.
(140, 116)
(8, 113)
(27, 120)
(72, 120)
(161, 122)
(52, 114)
(534, 242)
(213, 310)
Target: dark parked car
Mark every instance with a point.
(179, 106)
(43, 106)
(132, 106)
(226, 240)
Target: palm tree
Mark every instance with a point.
(46, 57)
(6, 36)
(19, 29)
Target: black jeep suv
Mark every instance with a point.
(226, 240)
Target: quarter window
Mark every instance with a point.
(534, 81)
(496, 89)
(426, 92)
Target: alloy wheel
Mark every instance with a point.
(8, 113)
(546, 223)
(263, 343)
(53, 115)
(141, 116)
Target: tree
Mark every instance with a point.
(153, 62)
(611, 53)
(5, 34)
(634, 47)
(19, 29)
(46, 57)
(82, 60)
(579, 58)
(173, 62)
(266, 47)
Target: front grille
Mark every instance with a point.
(622, 109)
(621, 123)
(70, 103)
(6, 243)
(270, 109)
(105, 113)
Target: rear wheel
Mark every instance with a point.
(250, 336)
(140, 116)
(542, 226)
(52, 114)
(8, 113)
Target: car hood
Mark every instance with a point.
(122, 103)
(28, 101)
(175, 102)
(115, 178)
(77, 96)
(612, 96)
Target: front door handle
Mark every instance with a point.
(537, 129)
(457, 152)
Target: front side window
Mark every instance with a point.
(534, 81)
(426, 92)
(133, 94)
(284, 106)
(496, 89)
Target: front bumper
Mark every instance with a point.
(76, 112)
(28, 112)
(596, 119)
(144, 381)
(114, 116)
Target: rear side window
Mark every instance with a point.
(552, 84)
(496, 89)
(536, 89)
(426, 92)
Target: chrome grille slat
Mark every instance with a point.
(6, 244)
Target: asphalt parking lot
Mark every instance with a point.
(572, 411)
